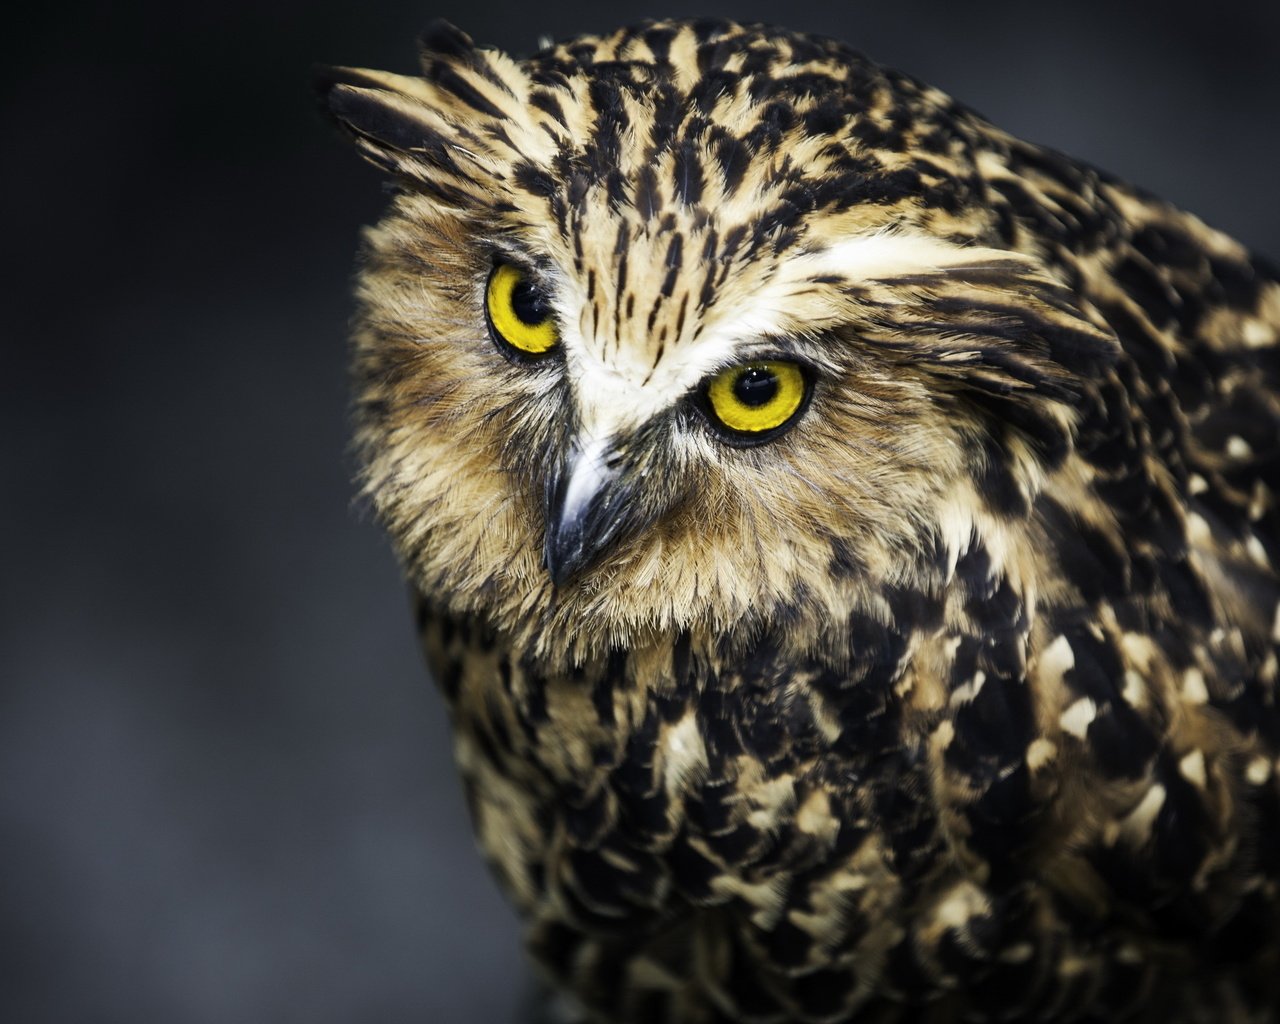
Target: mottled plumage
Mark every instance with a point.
(955, 697)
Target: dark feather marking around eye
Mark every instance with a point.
(450, 81)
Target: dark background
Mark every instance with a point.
(226, 791)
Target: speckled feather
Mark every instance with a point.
(955, 702)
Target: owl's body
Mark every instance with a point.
(953, 696)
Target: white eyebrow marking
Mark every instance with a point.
(888, 254)
(617, 394)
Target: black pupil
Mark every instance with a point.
(529, 304)
(755, 387)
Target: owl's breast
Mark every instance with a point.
(703, 826)
(761, 818)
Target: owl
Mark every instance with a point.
(845, 535)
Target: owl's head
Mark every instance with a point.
(691, 325)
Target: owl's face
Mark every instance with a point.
(682, 328)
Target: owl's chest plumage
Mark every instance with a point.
(645, 825)
(957, 812)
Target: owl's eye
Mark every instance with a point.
(519, 314)
(756, 401)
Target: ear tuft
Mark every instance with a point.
(443, 39)
(448, 133)
(364, 115)
(379, 111)
(329, 82)
(326, 78)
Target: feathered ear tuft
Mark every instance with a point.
(381, 112)
(408, 127)
(456, 132)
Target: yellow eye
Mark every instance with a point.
(519, 313)
(757, 399)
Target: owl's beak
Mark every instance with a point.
(586, 501)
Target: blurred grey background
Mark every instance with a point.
(226, 791)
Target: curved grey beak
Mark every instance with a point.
(586, 508)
